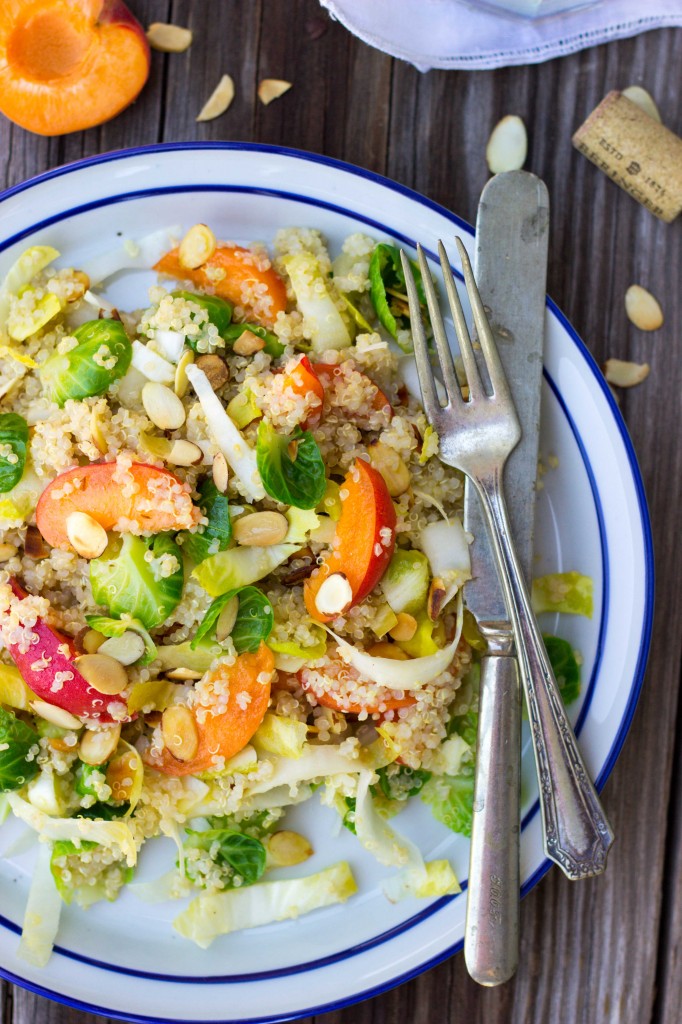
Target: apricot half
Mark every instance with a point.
(66, 65)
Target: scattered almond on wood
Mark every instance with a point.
(643, 310)
(623, 374)
(507, 146)
(168, 38)
(219, 100)
(271, 89)
(636, 94)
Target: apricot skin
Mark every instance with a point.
(68, 65)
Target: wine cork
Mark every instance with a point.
(638, 153)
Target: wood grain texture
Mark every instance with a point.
(608, 950)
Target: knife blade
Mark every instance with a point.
(512, 231)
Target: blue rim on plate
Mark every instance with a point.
(642, 507)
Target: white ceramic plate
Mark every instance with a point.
(124, 959)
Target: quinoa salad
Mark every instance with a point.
(231, 571)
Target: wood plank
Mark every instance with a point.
(589, 952)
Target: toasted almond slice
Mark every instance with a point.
(197, 247)
(34, 545)
(248, 343)
(126, 649)
(179, 452)
(434, 603)
(227, 619)
(181, 381)
(86, 536)
(180, 733)
(260, 529)
(507, 146)
(98, 438)
(219, 100)
(643, 309)
(7, 551)
(183, 675)
(105, 674)
(168, 38)
(385, 650)
(643, 99)
(163, 406)
(98, 745)
(271, 89)
(392, 468)
(286, 848)
(625, 375)
(220, 472)
(405, 627)
(56, 716)
(215, 369)
(334, 595)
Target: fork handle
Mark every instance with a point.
(577, 833)
(491, 935)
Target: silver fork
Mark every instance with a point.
(476, 437)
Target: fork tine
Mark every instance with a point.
(427, 383)
(445, 359)
(465, 346)
(496, 372)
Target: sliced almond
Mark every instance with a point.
(271, 89)
(86, 536)
(183, 675)
(99, 745)
(624, 374)
(180, 733)
(34, 545)
(434, 601)
(219, 100)
(643, 309)
(507, 146)
(179, 452)
(227, 619)
(168, 38)
(181, 381)
(126, 649)
(104, 674)
(98, 438)
(7, 551)
(248, 343)
(197, 247)
(163, 406)
(91, 641)
(260, 529)
(215, 369)
(636, 94)
(405, 627)
(286, 848)
(220, 472)
(56, 716)
(335, 595)
(385, 650)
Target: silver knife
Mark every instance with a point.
(512, 231)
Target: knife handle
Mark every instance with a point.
(491, 937)
(576, 831)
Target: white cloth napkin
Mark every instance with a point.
(462, 34)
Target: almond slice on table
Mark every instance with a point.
(623, 374)
(643, 309)
(507, 146)
(636, 94)
(219, 100)
(271, 89)
(168, 38)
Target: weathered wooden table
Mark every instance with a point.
(607, 950)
